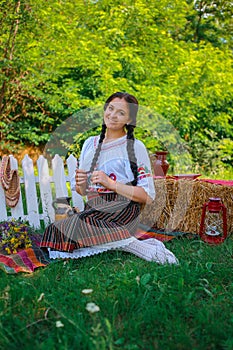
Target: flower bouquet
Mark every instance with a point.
(14, 236)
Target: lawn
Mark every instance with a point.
(142, 305)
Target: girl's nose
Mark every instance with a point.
(112, 114)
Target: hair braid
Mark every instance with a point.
(131, 153)
(98, 149)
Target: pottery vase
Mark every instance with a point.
(160, 164)
(62, 208)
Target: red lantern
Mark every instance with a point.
(213, 227)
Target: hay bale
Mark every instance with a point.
(178, 204)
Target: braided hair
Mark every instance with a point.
(133, 109)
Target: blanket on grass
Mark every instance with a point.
(27, 260)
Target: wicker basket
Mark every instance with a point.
(10, 182)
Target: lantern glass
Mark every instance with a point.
(213, 224)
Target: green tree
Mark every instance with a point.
(211, 21)
(60, 57)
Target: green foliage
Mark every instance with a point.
(211, 22)
(61, 57)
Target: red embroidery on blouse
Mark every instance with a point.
(144, 176)
(112, 176)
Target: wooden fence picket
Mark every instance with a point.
(59, 176)
(38, 190)
(44, 180)
(3, 211)
(76, 198)
(30, 191)
(17, 212)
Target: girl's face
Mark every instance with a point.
(116, 114)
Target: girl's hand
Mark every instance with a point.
(80, 177)
(135, 193)
(99, 177)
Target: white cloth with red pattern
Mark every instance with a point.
(114, 161)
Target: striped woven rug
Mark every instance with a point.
(26, 260)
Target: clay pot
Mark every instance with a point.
(160, 164)
(62, 208)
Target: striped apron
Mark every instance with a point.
(106, 218)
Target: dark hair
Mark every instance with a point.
(133, 109)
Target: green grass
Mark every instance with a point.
(143, 305)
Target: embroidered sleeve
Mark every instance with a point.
(85, 158)
(145, 177)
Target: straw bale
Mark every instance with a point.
(178, 204)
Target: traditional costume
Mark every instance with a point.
(109, 221)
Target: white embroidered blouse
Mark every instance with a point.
(114, 161)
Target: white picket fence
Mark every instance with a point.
(39, 206)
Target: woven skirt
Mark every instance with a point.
(106, 218)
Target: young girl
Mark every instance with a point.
(115, 174)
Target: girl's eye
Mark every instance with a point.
(110, 108)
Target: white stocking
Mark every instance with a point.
(151, 251)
